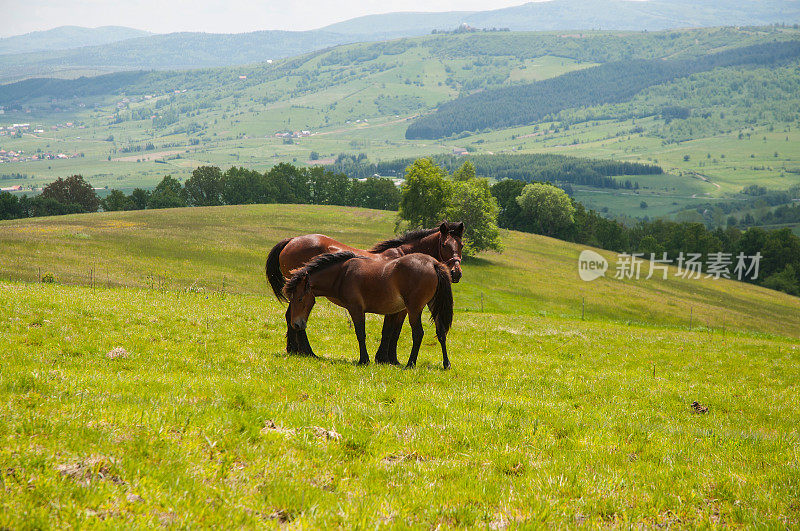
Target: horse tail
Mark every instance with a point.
(441, 305)
(273, 269)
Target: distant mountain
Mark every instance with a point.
(201, 50)
(409, 24)
(66, 37)
(635, 15)
(173, 51)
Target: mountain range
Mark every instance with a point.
(70, 51)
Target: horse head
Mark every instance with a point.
(450, 246)
(301, 301)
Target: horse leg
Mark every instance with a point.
(442, 337)
(400, 317)
(292, 346)
(415, 319)
(387, 351)
(361, 334)
(305, 346)
(382, 355)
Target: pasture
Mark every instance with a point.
(545, 417)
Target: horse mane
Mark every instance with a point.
(318, 263)
(409, 236)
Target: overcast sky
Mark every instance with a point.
(231, 16)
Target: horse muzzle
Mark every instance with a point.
(455, 275)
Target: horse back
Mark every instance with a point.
(303, 248)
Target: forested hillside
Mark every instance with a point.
(609, 83)
(491, 56)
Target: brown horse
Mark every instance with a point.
(364, 284)
(443, 243)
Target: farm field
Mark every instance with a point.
(545, 418)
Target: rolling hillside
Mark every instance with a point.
(610, 83)
(735, 125)
(204, 247)
(159, 395)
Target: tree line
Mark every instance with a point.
(526, 167)
(430, 193)
(607, 83)
(209, 186)
(541, 208)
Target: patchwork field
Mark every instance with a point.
(545, 418)
(741, 126)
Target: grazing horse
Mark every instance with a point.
(442, 243)
(363, 284)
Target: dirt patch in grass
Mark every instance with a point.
(117, 353)
(319, 432)
(92, 468)
(698, 408)
(393, 459)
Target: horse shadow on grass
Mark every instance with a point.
(426, 365)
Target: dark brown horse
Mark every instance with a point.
(443, 243)
(363, 284)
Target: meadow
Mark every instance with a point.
(550, 416)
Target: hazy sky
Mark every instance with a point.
(231, 16)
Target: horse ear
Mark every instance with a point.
(459, 230)
(443, 228)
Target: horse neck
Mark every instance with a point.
(428, 245)
(323, 282)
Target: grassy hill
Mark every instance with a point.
(545, 419)
(209, 247)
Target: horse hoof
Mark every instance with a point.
(363, 363)
(447, 367)
(410, 366)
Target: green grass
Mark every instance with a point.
(542, 419)
(206, 247)
(545, 418)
